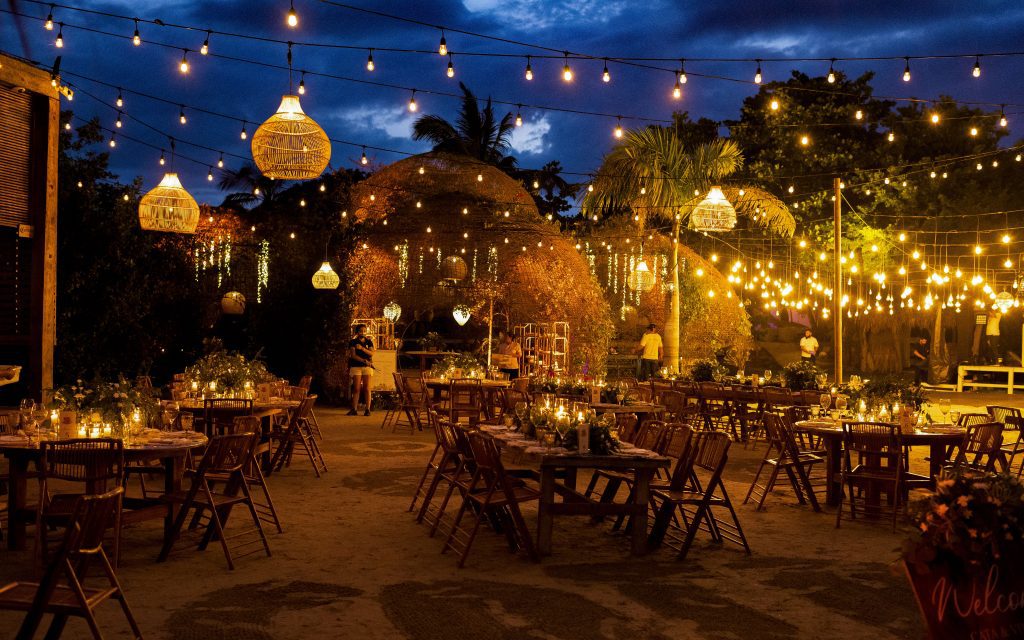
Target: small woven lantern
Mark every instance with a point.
(233, 303)
(325, 277)
(642, 278)
(454, 268)
(290, 145)
(392, 311)
(461, 313)
(168, 207)
(714, 213)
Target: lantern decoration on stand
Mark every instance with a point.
(641, 278)
(169, 207)
(454, 268)
(392, 311)
(325, 277)
(233, 303)
(1003, 301)
(714, 213)
(461, 313)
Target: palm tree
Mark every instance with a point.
(651, 173)
(253, 187)
(477, 133)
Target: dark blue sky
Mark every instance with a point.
(378, 115)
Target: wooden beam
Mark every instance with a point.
(20, 74)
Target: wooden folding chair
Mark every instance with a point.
(297, 434)
(62, 591)
(980, 450)
(458, 474)
(783, 454)
(465, 398)
(695, 495)
(492, 494)
(424, 490)
(254, 473)
(222, 468)
(220, 413)
(1013, 436)
(95, 465)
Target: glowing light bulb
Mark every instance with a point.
(136, 38)
(682, 72)
(369, 61)
(59, 42)
(183, 67)
(906, 71)
(757, 74)
(451, 68)
(566, 71)
(1006, 238)
(977, 249)
(442, 48)
(292, 18)
(1002, 118)
(618, 129)
(891, 137)
(605, 76)
(412, 102)
(916, 254)
(243, 135)
(113, 141)
(677, 91)
(48, 25)
(364, 160)
(118, 123)
(859, 115)
(974, 131)
(209, 175)
(774, 104)
(120, 101)
(976, 71)
(162, 160)
(302, 85)
(805, 140)
(529, 69)
(519, 119)
(205, 49)
(220, 162)
(181, 116)
(831, 73)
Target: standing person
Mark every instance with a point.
(808, 347)
(919, 360)
(992, 337)
(650, 351)
(360, 367)
(507, 346)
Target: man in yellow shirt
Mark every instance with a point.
(650, 352)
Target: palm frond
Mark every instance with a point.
(763, 208)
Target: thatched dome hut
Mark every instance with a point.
(448, 230)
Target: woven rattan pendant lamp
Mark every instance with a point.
(168, 206)
(714, 213)
(290, 145)
(325, 277)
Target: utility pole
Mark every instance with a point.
(837, 289)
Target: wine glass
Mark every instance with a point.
(767, 376)
(521, 408)
(619, 394)
(841, 403)
(187, 421)
(954, 418)
(826, 401)
(821, 379)
(944, 409)
(25, 410)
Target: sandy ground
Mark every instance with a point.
(353, 563)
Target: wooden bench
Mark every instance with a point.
(1012, 381)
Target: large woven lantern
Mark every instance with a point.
(461, 313)
(714, 213)
(392, 311)
(290, 145)
(168, 207)
(454, 268)
(325, 277)
(641, 278)
(1003, 301)
(233, 303)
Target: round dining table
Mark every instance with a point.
(170, 448)
(938, 438)
(638, 408)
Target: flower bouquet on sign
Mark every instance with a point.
(964, 562)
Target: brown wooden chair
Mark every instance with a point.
(412, 396)
(220, 413)
(305, 382)
(650, 437)
(491, 494)
(695, 494)
(980, 450)
(783, 454)
(254, 472)
(63, 591)
(217, 486)
(465, 398)
(1013, 437)
(433, 463)
(297, 433)
(91, 466)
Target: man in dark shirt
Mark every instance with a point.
(360, 367)
(919, 360)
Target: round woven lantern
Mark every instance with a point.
(454, 268)
(168, 207)
(392, 311)
(461, 313)
(642, 278)
(290, 145)
(714, 213)
(1003, 301)
(325, 277)
(233, 303)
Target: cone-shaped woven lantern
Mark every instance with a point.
(325, 277)
(168, 207)
(290, 145)
(461, 313)
(641, 279)
(392, 311)
(714, 213)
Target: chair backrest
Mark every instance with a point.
(674, 401)
(218, 413)
(774, 430)
(464, 393)
(968, 420)
(650, 434)
(877, 445)
(243, 424)
(1000, 413)
(712, 452)
(675, 437)
(226, 454)
(297, 393)
(487, 460)
(305, 382)
(778, 397)
(8, 423)
(682, 472)
(980, 448)
(93, 461)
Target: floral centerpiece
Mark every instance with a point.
(565, 424)
(800, 375)
(432, 342)
(467, 363)
(964, 559)
(707, 370)
(884, 390)
(117, 402)
(230, 371)
(560, 386)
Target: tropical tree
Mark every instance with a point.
(477, 133)
(249, 187)
(653, 174)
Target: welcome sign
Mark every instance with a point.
(984, 605)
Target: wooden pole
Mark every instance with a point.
(837, 289)
(490, 331)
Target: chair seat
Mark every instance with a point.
(219, 499)
(19, 596)
(687, 496)
(519, 494)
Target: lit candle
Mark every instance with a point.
(54, 417)
(195, 386)
(106, 429)
(81, 432)
(213, 385)
(136, 416)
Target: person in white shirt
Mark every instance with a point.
(992, 336)
(808, 347)
(650, 352)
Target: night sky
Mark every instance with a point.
(378, 116)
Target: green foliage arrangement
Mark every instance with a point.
(706, 370)
(800, 375)
(601, 441)
(229, 370)
(469, 364)
(884, 390)
(432, 342)
(110, 401)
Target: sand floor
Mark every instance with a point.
(352, 563)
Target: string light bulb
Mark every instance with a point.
(891, 137)
(369, 61)
(605, 76)
(774, 104)
(412, 102)
(1002, 117)
(566, 70)
(1006, 238)
(682, 72)
(113, 140)
(120, 100)
(451, 67)
(59, 42)
(831, 72)
(205, 49)
(209, 175)
(136, 38)
(118, 123)
(364, 160)
(302, 84)
(220, 161)
(519, 117)
(529, 69)
(677, 90)
(757, 74)
(162, 160)
(293, 18)
(442, 48)
(859, 115)
(976, 71)
(181, 115)
(935, 117)
(243, 135)
(183, 67)
(805, 140)
(906, 70)
(48, 25)
(974, 131)
(618, 128)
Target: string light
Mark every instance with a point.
(935, 117)
(891, 137)
(804, 140)
(369, 61)
(183, 67)
(906, 70)
(976, 72)
(113, 140)
(519, 117)
(529, 69)
(302, 84)
(162, 159)
(48, 25)
(120, 100)
(136, 39)
(220, 161)
(292, 18)
(364, 160)
(1002, 117)
(606, 77)
(618, 128)
(566, 71)
(677, 91)
(442, 48)
(209, 175)
(451, 67)
(412, 102)
(243, 135)
(682, 72)
(774, 104)
(181, 116)
(205, 49)
(831, 72)
(974, 131)
(757, 74)
(1006, 238)
(59, 42)
(859, 115)
(118, 123)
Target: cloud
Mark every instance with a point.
(530, 138)
(542, 14)
(395, 122)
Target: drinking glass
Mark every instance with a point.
(25, 411)
(767, 376)
(826, 401)
(954, 417)
(822, 380)
(187, 421)
(944, 409)
(841, 403)
(521, 409)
